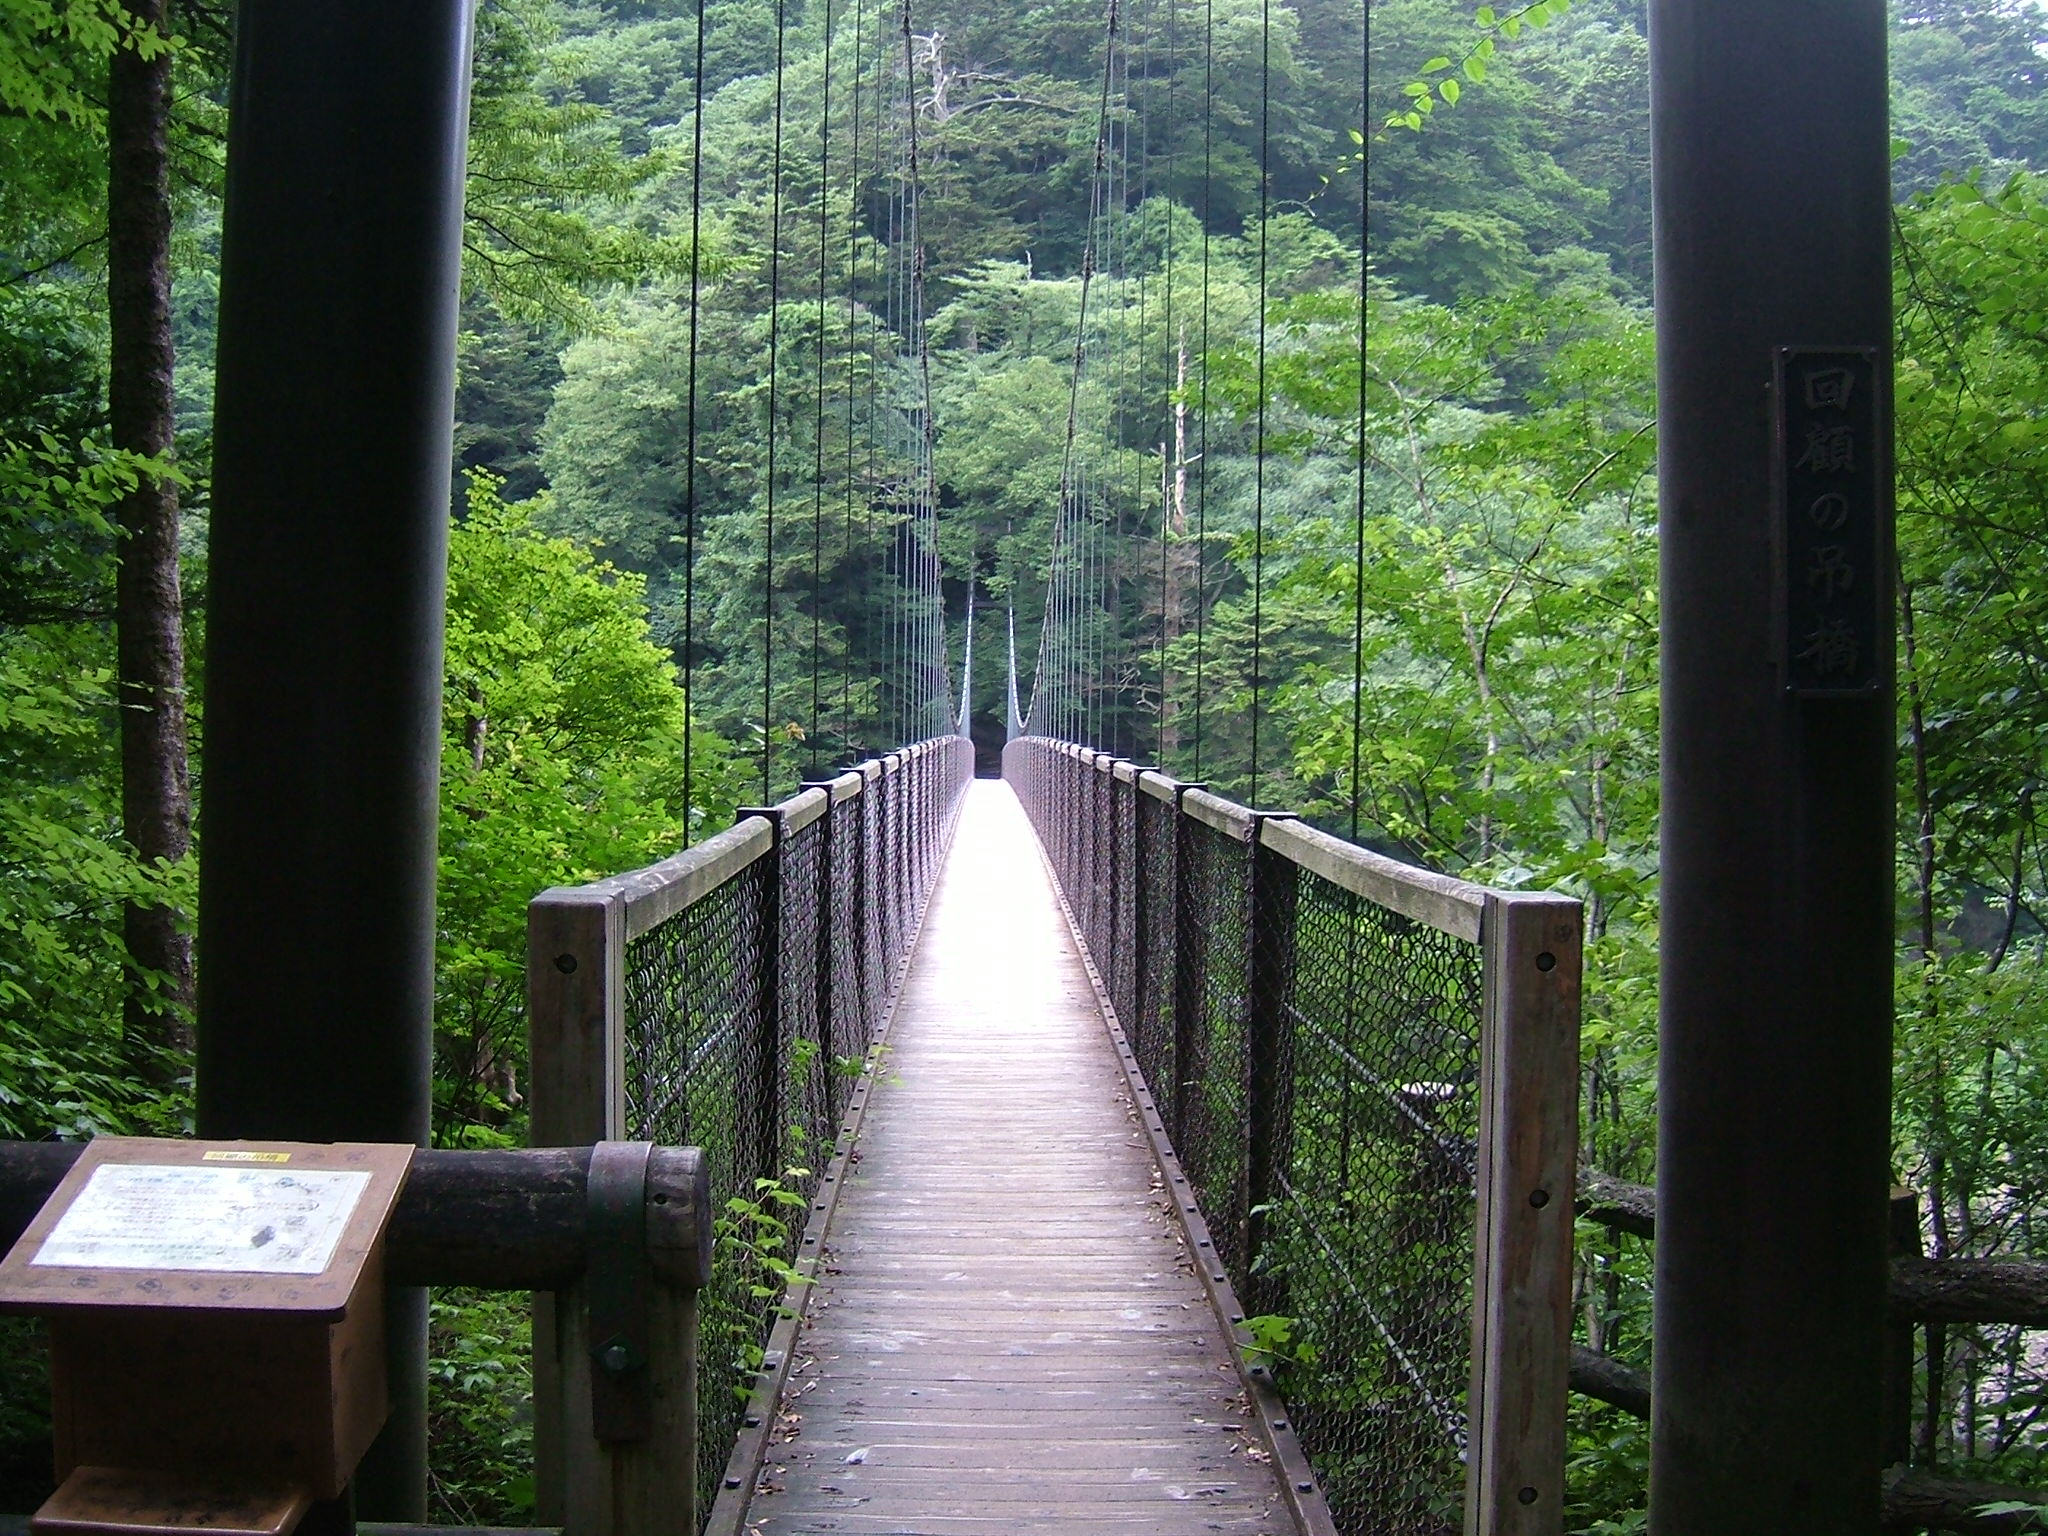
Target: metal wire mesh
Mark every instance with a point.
(1150, 1018)
(1214, 1139)
(1125, 947)
(1370, 1239)
(696, 1052)
(1316, 1059)
(804, 1049)
(745, 1011)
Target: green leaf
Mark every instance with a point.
(1435, 64)
(1450, 90)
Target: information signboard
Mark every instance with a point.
(271, 1226)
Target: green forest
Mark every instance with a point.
(1367, 424)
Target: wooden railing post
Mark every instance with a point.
(1522, 1276)
(575, 988)
(1273, 893)
(575, 994)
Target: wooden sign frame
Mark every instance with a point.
(58, 1289)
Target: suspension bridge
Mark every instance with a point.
(1065, 1118)
(1080, 1150)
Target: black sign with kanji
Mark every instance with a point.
(1834, 590)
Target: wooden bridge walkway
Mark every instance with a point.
(1008, 1338)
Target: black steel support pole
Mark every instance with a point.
(339, 271)
(1772, 269)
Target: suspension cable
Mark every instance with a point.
(1055, 641)
(1259, 442)
(1358, 511)
(846, 726)
(690, 432)
(774, 378)
(1202, 457)
(818, 432)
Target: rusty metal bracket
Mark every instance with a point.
(618, 1282)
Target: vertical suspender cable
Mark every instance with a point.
(1358, 511)
(1202, 456)
(878, 634)
(892, 323)
(690, 430)
(1259, 444)
(774, 371)
(1050, 681)
(1169, 377)
(846, 728)
(818, 433)
(932, 652)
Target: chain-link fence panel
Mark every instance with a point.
(848, 1001)
(806, 1126)
(1213, 923)
(1369, 1243)
(1150, 1020)
(746, 1007)
(1125, 949)
(1315, 1054)
(696, 1053)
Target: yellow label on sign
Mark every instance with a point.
(220, 1155)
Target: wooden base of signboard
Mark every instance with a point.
(97, 1501)
(220, 1392)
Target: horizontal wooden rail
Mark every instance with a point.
(1442, 901)
(500, 1220)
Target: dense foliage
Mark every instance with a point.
(1477, 692)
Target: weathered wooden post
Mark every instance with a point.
(1774, 323)
(340, 261)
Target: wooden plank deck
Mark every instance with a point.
(1008, 1339)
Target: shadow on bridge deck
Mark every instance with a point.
(1008, 1336)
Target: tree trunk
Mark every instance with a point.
(156, 803)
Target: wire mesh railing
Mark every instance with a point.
(1368, 1072)
(725, 999)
